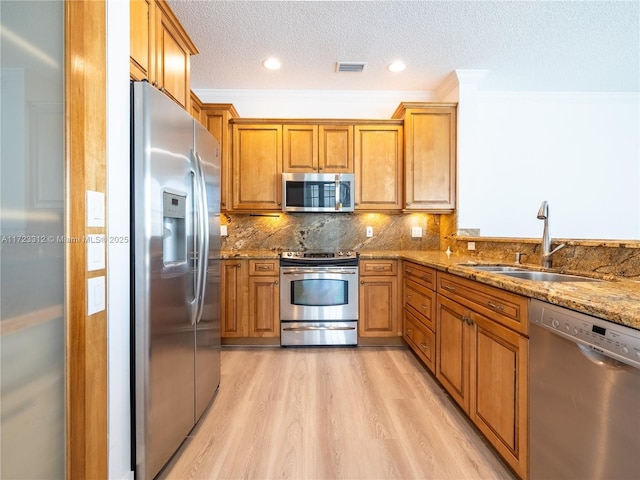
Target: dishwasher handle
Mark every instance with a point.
(601, 359)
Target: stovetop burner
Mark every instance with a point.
(319, 255)
(319, 258)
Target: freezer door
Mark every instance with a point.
(207, 152)
(163, 272)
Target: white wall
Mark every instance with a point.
(313, 104)
(118, 226)
(580, 152)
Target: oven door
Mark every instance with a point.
(323, 293)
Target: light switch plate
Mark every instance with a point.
(223, 231)
(369, 231)
(95, 295)
(416, 232)
(471, 245)
(95, 209)
(95, 252)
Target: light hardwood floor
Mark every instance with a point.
(331, 413)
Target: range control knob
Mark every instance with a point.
(555, 323)
(340, 254)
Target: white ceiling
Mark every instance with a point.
(585, 46)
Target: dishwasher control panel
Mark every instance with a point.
(611, 339)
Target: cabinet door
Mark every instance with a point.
(142, 40)
(300, 143)
(173, 52)
(335, 153)
(452, 364)
(264, 301)
(235, 298)
(378, 310)
(257, 167)
(378, 167)
(498, 404)
(430, 165)
(216, 118)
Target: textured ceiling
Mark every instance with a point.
(524, 45)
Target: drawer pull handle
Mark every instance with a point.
(264, 267)
(500, 308)
(379, 268)
(426, 347)
(449, 288)
(409, 331)
(408, 297)
(409, 271)
(423, 306)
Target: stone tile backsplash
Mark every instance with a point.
(330, 231)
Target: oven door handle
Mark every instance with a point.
(310, 328)
(335, 272)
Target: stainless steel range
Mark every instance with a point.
(318, 298)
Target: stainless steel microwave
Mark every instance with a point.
(318, 192)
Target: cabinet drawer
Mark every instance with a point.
(264, 267)
(378, 267)
(421, 339)
(423, 275)
(422, 300)
(503, 307)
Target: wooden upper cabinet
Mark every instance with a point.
(173, 56)
(335, 148)
(300, 144)
(317, 148)
(378, 167)
(430, 156)
(141, 39)
(160, 49)
(196, 109)
(257, 167)
(215, 118)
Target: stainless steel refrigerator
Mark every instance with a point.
(175, 275)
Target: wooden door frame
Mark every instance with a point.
(85, 169)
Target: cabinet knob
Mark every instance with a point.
(155, 83)
(279, 203)
(361, 282)
(276, 282)
(408, 203)
(320, 168)
(238, 264)
(224, 204)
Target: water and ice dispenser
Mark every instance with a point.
(174, 235)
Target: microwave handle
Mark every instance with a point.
(337, 189)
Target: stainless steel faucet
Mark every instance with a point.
(547, 253)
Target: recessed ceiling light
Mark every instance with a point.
(271, 63)
(396, 66)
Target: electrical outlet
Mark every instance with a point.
(416, 232)
(369, 231)
(471, 245)
(223, 231)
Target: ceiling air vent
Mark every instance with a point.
(350, 66)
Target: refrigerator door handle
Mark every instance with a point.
(203, 253)
(197, 239)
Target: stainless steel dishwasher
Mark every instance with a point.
(584, 396)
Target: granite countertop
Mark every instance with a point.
(616, 299)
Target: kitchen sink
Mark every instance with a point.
(523, 273)
(495, 268)
(546, 276)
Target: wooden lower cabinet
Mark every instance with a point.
(499, 376)
(378, 302)
(419, 320)
(250, 305)
(483, 365)
(264, 302)
(234, 296)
